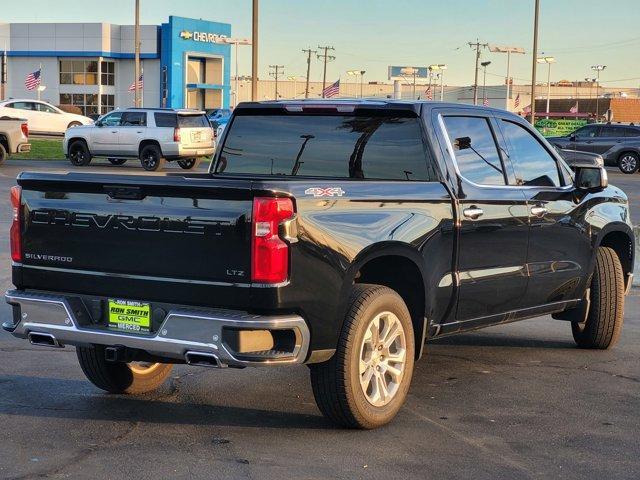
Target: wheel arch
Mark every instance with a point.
(148, 141)
(399, 267)
(621, 239)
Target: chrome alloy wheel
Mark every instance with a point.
(382, 359)
(628, 163)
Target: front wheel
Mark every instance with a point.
(120, 377)
(604, 321)
(79, 154)
(117, 161)
(151, 158)
(629, 162)
(366, 381)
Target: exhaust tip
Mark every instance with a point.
(43, 340)
(202, 359)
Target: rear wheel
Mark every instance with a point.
(629, 162)
(602, 328)
(187, 164)
(151, 158)
(79, 154)
(117, 161)
(119, 377)
(367, 380)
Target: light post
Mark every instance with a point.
(440, 68)
(548, 61)
(254, 51)
(410, 71)
(598, 69)
(235, 42)
(356, 73)
(294, 79)
(484, 82)
(536, 18)
(508, 50)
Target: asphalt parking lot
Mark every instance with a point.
(517, 401)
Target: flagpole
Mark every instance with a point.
(38, 87)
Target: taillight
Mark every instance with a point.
(15, 233)
(270, 253)
(176, 134)
(25, 129)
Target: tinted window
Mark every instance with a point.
(165, 119)
(631, 132)
(44, 108)
(193, 121)
(326, 146)
(609, 131)
(111, 120)
(475, 150)
(22, 105)
(532, 163)
(587, 132)
(130, 119)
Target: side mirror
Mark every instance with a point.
(590, 178)
(462, 143)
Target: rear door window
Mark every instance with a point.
(610, 131)
(475, 150)
(631, 132)
(341, 146)
(589, 131)
(134, 119)
(165, 119)
(193, 121)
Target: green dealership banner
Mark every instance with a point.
(558, 128)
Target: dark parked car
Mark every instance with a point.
(619, 145)
(575, 157)
(340, 234)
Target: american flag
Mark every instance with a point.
(485, 102)
(32, 81)
(428, 94)
(332, 90)
(516, 104)
(132, 87)
(574, 109)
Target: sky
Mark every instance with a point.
(373, 34)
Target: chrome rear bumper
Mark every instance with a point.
(184, 333)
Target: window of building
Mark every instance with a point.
(340, 146)
(108, 73)
(475, 150)
(532, 163)
(108, 103)
(78, 72)
(87, 102)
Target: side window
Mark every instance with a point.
(21, 105)
(165, 119)
(41, 107)
(475, 150)
(587, 132)
(610, 132)
(631, 132)
(112, 120)
(532, 163)
(134, 119)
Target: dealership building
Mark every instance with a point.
(185, 63)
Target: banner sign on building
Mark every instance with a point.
(558, 128)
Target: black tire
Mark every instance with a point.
(3, 154)
(73, 124)
(187, 163)
(629, 162)
(604, 321)
(79, 154)
(336, 382)
(151, 158)
(118, 377)
(117, 161)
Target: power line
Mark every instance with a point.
(275, 73)
(308, 51)
(326, 58)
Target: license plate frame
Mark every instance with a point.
(129, 316)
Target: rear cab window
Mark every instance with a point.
(357, 145)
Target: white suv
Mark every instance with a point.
(152, 135)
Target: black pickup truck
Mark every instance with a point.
(341, 235)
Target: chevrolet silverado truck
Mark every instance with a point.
(14, 137)
(337, 234)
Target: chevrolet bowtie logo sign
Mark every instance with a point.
(203, 37)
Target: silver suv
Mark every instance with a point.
(152, 135)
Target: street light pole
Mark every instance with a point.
(598, 69)
(548, 61)
(484, 82)
(534, 61)
(254, 51)
(440, 68)
(235, 42)
(508, 50)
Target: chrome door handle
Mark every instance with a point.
(473, 212)
(114, 131)
(538, 211)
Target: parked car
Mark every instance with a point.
(43, 118)
(152, 135)
(219, 119)
(338, 234)
(575, 157)
(619, 145)
(14, 137)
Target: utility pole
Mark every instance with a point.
(277, 71)
(254, 52)
(534, 62)
(136, 54)
(308, 51)
(477, 46)
(326, 58)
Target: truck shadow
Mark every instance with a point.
(502, 341)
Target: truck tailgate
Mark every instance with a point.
(170, 229)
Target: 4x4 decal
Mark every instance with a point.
(325, 192)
